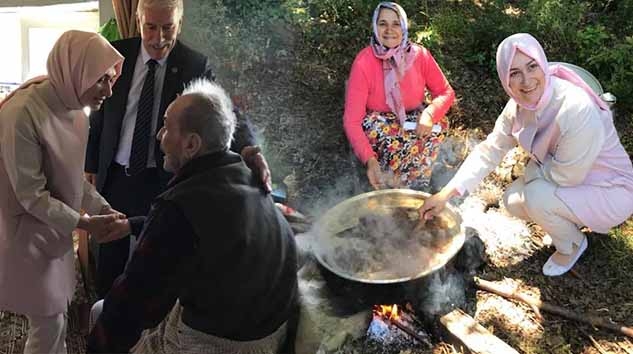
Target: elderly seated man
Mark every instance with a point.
(215, 267)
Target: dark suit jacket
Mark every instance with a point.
(183, 65)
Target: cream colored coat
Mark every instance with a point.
(570, 136)
(43, 155)
(43, 136)
(577, 150)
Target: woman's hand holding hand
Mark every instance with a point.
(96, 225)
(374, 174)
(425, 124)
(107, 210)
(436, 203)
(116, 230)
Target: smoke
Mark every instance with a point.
(452, 152)
(507, 239)
(344, 187)
(445, 291)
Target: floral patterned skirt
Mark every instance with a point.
(402, 155)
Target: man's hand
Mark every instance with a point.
(425, 124)
(91, 178)
(116, 230)
(436, 203)
(255, 160)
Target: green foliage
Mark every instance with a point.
(239, 35)
(556, 23)
(334, 31)
(596, 35)
(473, 30)
(110, 31)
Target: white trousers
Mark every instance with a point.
(537, 201)
(47, 334)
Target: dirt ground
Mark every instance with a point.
(300, 123)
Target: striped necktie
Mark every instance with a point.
(142, 129)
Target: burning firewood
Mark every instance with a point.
(393, 315)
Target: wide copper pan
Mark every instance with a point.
(345, 215)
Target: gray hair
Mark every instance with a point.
(160, 4)
(210, 114)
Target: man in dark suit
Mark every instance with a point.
(123, 160)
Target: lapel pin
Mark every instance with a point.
(174, 70)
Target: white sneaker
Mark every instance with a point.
(552, 269)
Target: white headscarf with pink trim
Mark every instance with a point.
(532, 48)
(76, 62)
(396, 61)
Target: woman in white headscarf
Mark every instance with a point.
(43, 135)
(391, 129)
(578, 175)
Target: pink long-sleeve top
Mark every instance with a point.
(366, 93)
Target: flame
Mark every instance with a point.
(387, 311)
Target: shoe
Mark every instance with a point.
(547, 240)
(552, 269)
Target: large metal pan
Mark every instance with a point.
(328, 241)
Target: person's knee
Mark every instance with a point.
(513, 200)
(537, 197)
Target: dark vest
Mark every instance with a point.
(242, 284)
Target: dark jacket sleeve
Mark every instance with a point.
(244, 134)
(136, 224)
(94, 140)
(147, 290)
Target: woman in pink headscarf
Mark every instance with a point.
(391, 129)
(578, 175)
(43, 134)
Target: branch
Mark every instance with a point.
(536, 303)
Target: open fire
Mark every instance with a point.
(390, 322)
(386, 311)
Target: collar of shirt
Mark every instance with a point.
(146, 56)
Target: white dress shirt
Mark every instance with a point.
(131, 109)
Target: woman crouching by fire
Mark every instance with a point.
(578, 174)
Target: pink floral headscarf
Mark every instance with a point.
(396, 61)
(76, 62)
(532, 48)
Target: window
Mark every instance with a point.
(30, 32)
(10, 70)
